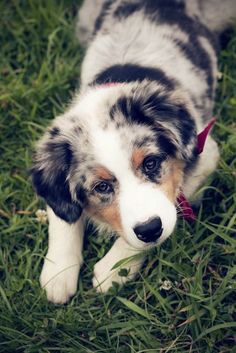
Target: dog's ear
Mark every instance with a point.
(171, 115)
(52, 163)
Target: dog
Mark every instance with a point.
(126, 146)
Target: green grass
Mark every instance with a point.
(39, 65)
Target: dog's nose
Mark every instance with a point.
(149, 231)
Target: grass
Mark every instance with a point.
(39, 65)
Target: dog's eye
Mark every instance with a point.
(103, 187)
(151, 164)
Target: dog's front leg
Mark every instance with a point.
(104, 275)
(63, 260)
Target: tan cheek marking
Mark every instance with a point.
(138, 157)
(171, 182)
(109, 215)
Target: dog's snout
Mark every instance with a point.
(149, 231)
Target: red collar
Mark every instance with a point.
(184, 205)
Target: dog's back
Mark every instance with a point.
(217, 15)
(174, 41)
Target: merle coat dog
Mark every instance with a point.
(127, 144)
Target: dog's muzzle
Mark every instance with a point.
(149, 231)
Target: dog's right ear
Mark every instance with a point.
(52, 163)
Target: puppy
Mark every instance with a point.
(127, 144)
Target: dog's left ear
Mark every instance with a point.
(172, 115)
(52, 163)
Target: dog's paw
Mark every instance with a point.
(104, 276)
(60, 279)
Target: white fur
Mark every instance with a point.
(103, 273)
(64, 258)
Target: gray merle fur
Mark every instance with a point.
(132, 73)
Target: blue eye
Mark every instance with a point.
(103, 188)
(151, 164)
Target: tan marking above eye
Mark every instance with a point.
(138, 157)
(173, 179)
(101, 173)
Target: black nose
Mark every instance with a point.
(149, 231)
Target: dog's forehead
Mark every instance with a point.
(110, 144)
(110, 151)
(113, 147)
(92, 108)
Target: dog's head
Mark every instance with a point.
(120, 154)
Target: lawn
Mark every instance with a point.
(39, 68)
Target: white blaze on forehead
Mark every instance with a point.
(110, 152)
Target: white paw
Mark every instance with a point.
(102, 280)
(104, 276)
(60, 279)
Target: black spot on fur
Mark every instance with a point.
(157, 105)
(81, 194)
(153, 7)
(154, 111)
(177, 115)
(145, 113)
(100, 19)
(142, 142)
(55, 131)
(126, 9)
(166, 144)
(132, 73)
(157, 6)
(131, 110)
(77, 130)
(186, 125)
(83, 178)
(49, 176)
(192, 160)
(57, 195)
(199, 57)
(173, 13)
(162, 110)
(225, 37)
(60, 152)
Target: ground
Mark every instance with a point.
(184, 298)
